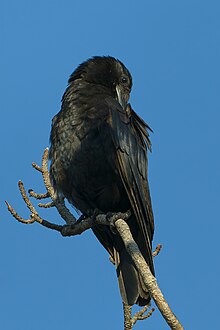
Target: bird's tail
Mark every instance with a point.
(131, 286)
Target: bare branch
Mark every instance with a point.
(46, 175)
(117, 220)
(102, 219)
(148, 279)
(130, 321)
(71, 229)
(59, 203)
(127, 317)
(64, 212)
(37, 167)
(25, 197)
(46, 205)
(51, 225)
(111, 259)
(140, 315)
(34, 215)
(157, 250)
(17, 216)
(38, 196)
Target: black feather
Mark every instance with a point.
(99, 160)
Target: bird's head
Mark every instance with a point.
(109, 72)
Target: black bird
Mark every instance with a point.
(99, 161)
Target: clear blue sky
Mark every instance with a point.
(172, 49)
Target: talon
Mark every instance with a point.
(112, 218)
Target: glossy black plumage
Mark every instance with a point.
(99, 161)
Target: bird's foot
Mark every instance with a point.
(113, 217)
(93, 213)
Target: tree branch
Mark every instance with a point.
(140, 315)
(148, 279)
(157, 250)
(74, 227)
(127, 317)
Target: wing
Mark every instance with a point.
(131, 140)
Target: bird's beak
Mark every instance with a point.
(122, 96)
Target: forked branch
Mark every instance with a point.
(74, 227)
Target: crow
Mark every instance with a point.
(98, 153)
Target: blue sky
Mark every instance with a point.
(172, 49)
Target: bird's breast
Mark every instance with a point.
(88, 178)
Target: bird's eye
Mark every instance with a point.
(124, 80)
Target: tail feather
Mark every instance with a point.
(131, 286)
